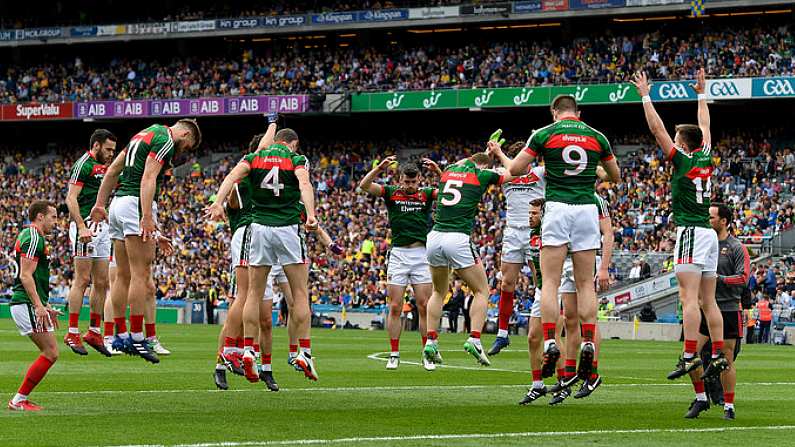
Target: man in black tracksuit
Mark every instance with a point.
(734, 270)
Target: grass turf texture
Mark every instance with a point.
(96, 401)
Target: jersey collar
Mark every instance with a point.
(569, 118)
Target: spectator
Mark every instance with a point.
(647, 314)
(634, 273)
(645, 269)
(765, 319)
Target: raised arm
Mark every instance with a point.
(307, 197)
(216, 210)
(703, 109)
(495, 149)
(519, 165)
(367, 184)
(109, 182)
(656, 125)
(267, 139)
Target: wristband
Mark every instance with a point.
(702, 96)
(646, 98)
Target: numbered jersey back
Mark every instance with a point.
(460, 192)
(572, 150)
(275, 193)
(692, 186)
(154, 141)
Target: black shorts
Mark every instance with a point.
(732, 325)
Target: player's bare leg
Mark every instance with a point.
(266, 344)
(440, 276)
(300, 313)
(510, 274)
(535, 352)
(292, 332)
(689, 284)
(108, 313)
(728, 379)
(150, 321)
(551, 267)
(718, 362)
(393, 323)
(422, 294)
(99, 290)
(48, 347)
(584, 263)
(475, 279)
(141, 255)
(257, 281)
(571, 322)
(80, 282)
(121, 286)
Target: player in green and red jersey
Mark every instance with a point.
(696, 249)
(132, 220)
(409, 209)
(279, 179)
(90, 242)
(450, 246)
(572, 151)
(29, 303)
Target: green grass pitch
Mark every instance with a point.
(94, 401)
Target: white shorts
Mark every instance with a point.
(535, 309)
(276, 245)
(408, 266)
(277, 276)
(239, 256)
(516, 245)
(451, 250)
(696, 250)
(99, 247)
(125, 218)
(25, 319)
(573, 225)
(567, 284)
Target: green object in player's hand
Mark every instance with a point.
(496, 137)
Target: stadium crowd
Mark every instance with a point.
(756, 178)
(744, 51)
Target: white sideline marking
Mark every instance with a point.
(376, 356)
(378, 388)
(531, 434)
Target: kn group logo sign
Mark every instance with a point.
(672, 91)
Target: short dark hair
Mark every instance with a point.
(254, 144)
(39, 207)
(480, 158)
(101, 136)
(564, 103)
(540, 202)
(409, 170)
(516, 147)
(287, 135)
(691, 135)
(724, 212)
(193, 126)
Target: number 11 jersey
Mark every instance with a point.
(692, 186)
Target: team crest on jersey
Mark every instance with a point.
(526, 179)
(99, 171)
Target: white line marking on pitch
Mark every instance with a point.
(375, 356)
(470, 436)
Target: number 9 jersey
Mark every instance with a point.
(571, 150)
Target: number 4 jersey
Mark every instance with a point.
(692, 186)
(460, 191)
(572, 150)
(275, 193)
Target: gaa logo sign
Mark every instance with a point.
(724, 88)
(673, 91)
(778, 87)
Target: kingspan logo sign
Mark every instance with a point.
(672, 91)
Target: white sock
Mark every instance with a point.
(94, 330)
(701, 396)
(728, 406)
(395, 354)
(249, 351)
(688, 355)
(74, 330)
(267, 367)
(582, 345)
(502, 333)
(474, 341)
(19, 398)
(220, 367)
(228, 350)
(307, 351)
(124, 335)
(109, 339)
(137, 336)
(551, 341)
(293, 355)
(538, 384)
